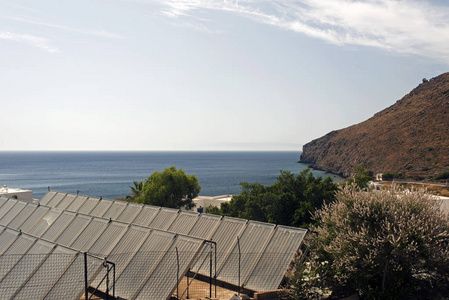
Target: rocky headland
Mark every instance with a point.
(410, 137)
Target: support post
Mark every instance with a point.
(238, 244)
(210, 272)
(86, 292)
(177, 274)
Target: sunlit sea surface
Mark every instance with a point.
(109, 174)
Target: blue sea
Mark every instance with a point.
(109, 174)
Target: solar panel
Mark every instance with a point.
(159, 287)
(108, 239)
(73, 277)
(89, 235)
(125, 249)
(146, 215)
(143, 262)
(184, 222)
(101, 208)
(56, 199)
(22, 216)
(114, 210)
(225, 236)
(6, 207)
(31, 268)
(3, 199)
(12, 213)
(251, 243)
(68, 199)
(77, 203)
(45, 222)
(19, 274)
(130, 212)
(37, 214)
(275, 260)
(73, 230)
(89, 205)
(47, 274)
(7, 236)
(258, 241)
(14, 253)
(58, 226)
(205, 226)
(164, 218)
(47, 197)
(128, 245)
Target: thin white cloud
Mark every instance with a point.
(100, 32)
(35, 41)
(400, 26)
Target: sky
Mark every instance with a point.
(207, 75)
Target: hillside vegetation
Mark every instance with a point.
(410, 138)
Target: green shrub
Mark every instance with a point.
(380, 244)
(391, 176)
(444, 175)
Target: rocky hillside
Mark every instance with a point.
(409, 137)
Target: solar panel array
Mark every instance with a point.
(266, 249)
(133, 247)
(32, 268)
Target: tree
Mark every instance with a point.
(289, 201)
(170, 188)
(362, 176)
(381, 244)
(136, 190)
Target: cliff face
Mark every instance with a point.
(411, 137)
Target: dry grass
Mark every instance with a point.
(431, 188)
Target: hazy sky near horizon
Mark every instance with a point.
(207, 75)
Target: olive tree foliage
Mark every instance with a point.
(289, 201)
(386, 244)
(170, 188)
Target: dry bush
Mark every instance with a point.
(379, 244)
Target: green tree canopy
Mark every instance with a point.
(170, 188)
(289, 201)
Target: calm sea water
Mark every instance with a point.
(109, 174)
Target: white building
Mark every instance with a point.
(203, 202)
(24, 195)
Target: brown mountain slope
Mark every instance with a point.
(411, 136)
